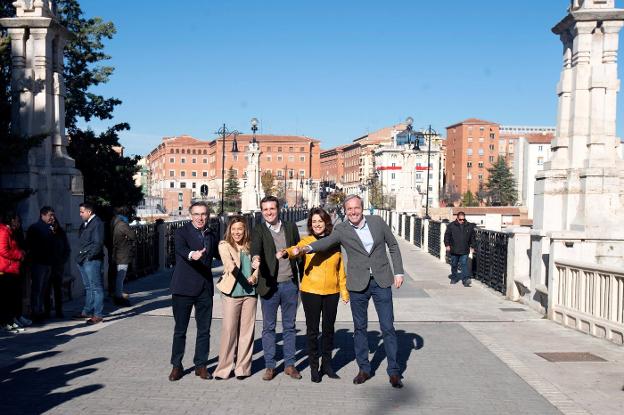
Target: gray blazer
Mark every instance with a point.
(358, 260)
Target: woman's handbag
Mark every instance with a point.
(227, 281)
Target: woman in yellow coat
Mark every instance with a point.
(323, 282)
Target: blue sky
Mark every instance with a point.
(332, 70)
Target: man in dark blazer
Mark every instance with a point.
(90, 257)
(278, 284)
(192, 286)
(368, 275)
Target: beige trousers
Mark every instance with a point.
(237, 336)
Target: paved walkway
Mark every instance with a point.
(462, 350)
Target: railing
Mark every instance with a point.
(433, 242)
(418, 231)
(491, 258)
(170, 228)
(408, 228)
(400, 229)
(146, 259)
(590, 298)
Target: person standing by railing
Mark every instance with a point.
(124, 240)
(459, 240)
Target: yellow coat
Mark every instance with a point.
(323, 271)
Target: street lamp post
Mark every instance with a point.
(429, 133)
(224, 132)
(254, 128)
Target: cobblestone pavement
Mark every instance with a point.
(460, 354)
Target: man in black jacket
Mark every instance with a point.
(192, 286)
(40, 241)
(278, 284)
(90, 257)
(459, 240)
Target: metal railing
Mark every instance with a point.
(146, 257)
(491, 258)
(400, 229)
(418, 231)
(408, 228)
(170, 228)
(433, 242)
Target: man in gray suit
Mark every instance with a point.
(368, 275)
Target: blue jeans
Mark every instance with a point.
(382, 299)
(122, 270)
(91, 273)
(459, 261)
(287, 297)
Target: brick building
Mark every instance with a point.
(184, 168)
(472, 146)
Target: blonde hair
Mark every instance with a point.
(228, 233)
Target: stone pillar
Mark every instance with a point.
(37, 42)
(252, 188)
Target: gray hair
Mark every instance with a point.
(351, 197)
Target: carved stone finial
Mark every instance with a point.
(35, 8)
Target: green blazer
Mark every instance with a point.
(262, 244)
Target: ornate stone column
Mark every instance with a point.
(37, 42)
(251, 189)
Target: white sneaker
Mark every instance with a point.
(9, 328)
(17, 328)
(23, 321)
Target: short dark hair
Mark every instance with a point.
(45, 210)
(8, 216)
(122, 210)
(200, 203)
(87, 206)
(329, 227)
(270, 198)
(461, 213)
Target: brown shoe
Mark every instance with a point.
(269, 374)
(176, 374)
(395, 381)
(292, 372)
(94, 320)
(361, 378)
(203, 373)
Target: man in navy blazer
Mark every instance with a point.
(191, 286)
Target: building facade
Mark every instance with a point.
(531, 153)
(472, 146)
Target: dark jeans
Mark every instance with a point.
(382, 299)
(314, 305)
(459, 261)
(182, 306)
(55, 287)
(40, 276)
(10, 298)
(286, 297)
(91, 273)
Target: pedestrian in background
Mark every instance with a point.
(40, 242)
(11, 258)
(278, 282)
(89, 258)
(191, 286)
(124, 240)
(61, 254)
(323, 282)
(459, 240)
(238, 285)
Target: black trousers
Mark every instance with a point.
(182, 306)
(10, 298)
(313, 306)
(55, 287)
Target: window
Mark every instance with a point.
(171, 185)
(290, 185)
(301, 173)
(171, 151)
(480, 177)
(183, 151)
(480, 139)
(280, 158)
(469, 164)
(481, 129)
(182, 173)
(302, 149)
(491, 146)
(194, 161)
(468, 152)
(194, 185)
(205, 174)
(172, 160)
(205, 152)
(492, 136)
(193, 151)
(540, 161)
(480, 151)
(470, 139)
(280, 173)
(171, 173)
(177, 150)
(418, 176)
(279, 149)
(290, 149)
(235, 157)
(491, 159)
(205, 161)
(182, 185)
(182, 160)
(268, 158)
(268, 149)
(302, 158)
(194, 174)
(291, 158)
(540, 148)
(480, 164)
(392, 175)
(469, 176)
(291, 174)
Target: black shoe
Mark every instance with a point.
(466, 282)
(121, 302)
(315, 376)
(454, 281)
(326, 369)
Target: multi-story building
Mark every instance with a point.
(332, 166)
(531, 153)
(509, 135)
(472, 146)
(184, 168)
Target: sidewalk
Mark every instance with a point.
(460, 352)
